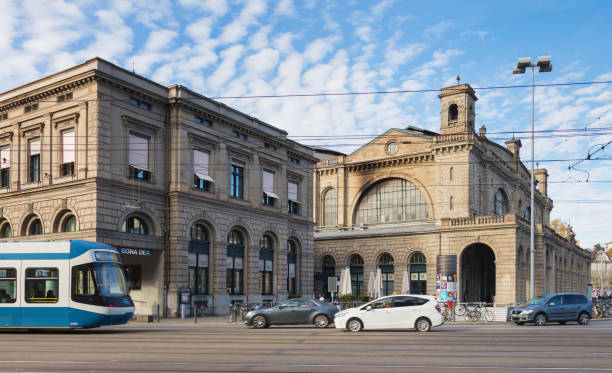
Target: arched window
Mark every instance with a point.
(292, 267)
(330, 208)
(418, 273)
(450, 203)
(135, 225)
(387, 268)
(451, 173)
(500, 205)
(527, 213)
(266, 265)
(391, 200)
(235, 255)
(453, 113)
(35, 227)
(356, 267)
(69, 224)
(198, 259)
(5, 229)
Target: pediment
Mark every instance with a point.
(406, 142)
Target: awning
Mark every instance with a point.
(203, 176)
(271, 195)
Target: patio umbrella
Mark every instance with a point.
(378, 284)
(345, 286)
(371, 282)
(406, 283)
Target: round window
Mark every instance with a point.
(391, 148)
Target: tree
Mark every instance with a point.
(560, 227)
(598, 247)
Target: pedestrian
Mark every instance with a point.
(321, 298)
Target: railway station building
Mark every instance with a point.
(452, 203)
(206, 204)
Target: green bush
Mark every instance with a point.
(363, 298)
(347, 298)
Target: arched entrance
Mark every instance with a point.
(418, 273)
(477, 274)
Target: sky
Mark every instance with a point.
(223, 48)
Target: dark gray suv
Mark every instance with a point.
(560, 307)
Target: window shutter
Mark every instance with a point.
(68, 147)
(5, 157)
(292, 192)
(139, 152)
(35, 147)
(200, 165)
(268, 184)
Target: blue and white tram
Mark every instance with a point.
(62, 284)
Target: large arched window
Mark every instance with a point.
(235, 255)
(266, 265)
(527, 213)
(135, 225)
(69, 224)
(292, 249)
(356, 266)
(387, 268)
(500, 204)
(5, 229)
(391, 200)
(328, 269)
(330, 208)
(418, 273)
(198, 259)
(35, 227)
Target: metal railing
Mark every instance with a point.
(237, 311)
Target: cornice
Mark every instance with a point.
(392, 162)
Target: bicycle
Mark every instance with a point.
(479, 311)
(461, 309)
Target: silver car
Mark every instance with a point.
(293, 312)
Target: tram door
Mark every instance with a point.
(44, 302)
(9, 293)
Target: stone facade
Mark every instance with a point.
(450, 195)
(148, 206)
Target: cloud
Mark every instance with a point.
(262, 61)
(318, 49)
(285, 8)
(226, 70)
(216, 7)
(236, 30)
(436, 32)
(481, 34)
(159, 39)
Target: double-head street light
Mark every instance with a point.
(545, 66)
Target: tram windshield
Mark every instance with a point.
(109, 279)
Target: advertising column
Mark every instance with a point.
(446, 279)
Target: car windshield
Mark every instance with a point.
(537, 300)
(110, 280)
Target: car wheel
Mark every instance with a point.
(583, 318)
(540, 319)
(423, 325)
(259, 322)
(321, 321)
(354, 325)
(562, 322)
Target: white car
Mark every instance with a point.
(408, 311)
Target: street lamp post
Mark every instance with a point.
(545, 66)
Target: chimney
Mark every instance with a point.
(514, 146)
(483, 131)
(541, 176)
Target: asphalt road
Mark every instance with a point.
(179, 347)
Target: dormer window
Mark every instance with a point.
(453, 113)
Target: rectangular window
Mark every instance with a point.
(5, 164)
(270, 147)
(68, 150)
(30, 108)
(140, 104)
(237, 182)
(265, 277)
(133, 277)
(201, 177)
(294, 160)
(239, 135)
(268, 189)
(139, 157)
(34, 175)
(292, 196)
(41, 285)
(234, 275)
(3, 116)
(291, 282)
(198, 273)
(203, 121)
(83, 284)
(8, 285)
(64, 98)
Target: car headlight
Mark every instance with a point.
(250, 313)
(526, 312)
(341, 314)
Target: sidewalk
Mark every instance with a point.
(202, 322)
